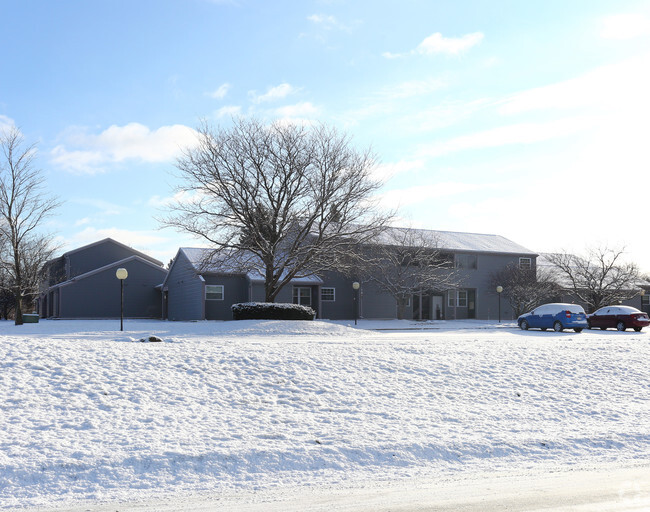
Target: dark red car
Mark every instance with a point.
(620, 317)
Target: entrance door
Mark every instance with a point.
(471, 303)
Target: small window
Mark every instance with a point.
(457, 299)
(466, 261)
(213, 292)
(645, 300)
(328, 294)
(525, 263)
(302, 295)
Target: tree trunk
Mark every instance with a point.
(19, 309)
(401, 307)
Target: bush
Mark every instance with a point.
(271, 311)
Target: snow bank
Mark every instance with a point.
(90, 414)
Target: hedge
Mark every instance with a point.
(271, 311)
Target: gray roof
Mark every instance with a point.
(459, 241)
(232, 265)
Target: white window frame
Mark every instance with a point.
(333, 294)
(525, 266)
(209, 287)
(457, 298)
(298, 295)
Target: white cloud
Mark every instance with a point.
(220, 92)
(329, 22)
(228, 111)
(620, 85)
(438, 44)
(386, 171)
(6, 123)
(323, 20)
(522, 133)
(273, 93)
(397, 198)
(625, 26)
(143, 240)
(299, 110)
(133, 141)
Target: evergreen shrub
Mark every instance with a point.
(271, 311)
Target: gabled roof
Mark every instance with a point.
(231, 265)
(107, 267)
(110, 240)
(459, 241)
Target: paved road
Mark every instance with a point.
(612, 489)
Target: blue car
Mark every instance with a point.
(556, 316)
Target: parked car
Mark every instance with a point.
(556, 316)
(620, 317)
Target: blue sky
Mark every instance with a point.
(528, 119)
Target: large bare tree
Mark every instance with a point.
(598, 279)
(404, 262)
(525, 289)
(24, 206)
(280, 199)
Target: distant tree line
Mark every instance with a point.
(597, 279)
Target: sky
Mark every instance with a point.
(523, 119)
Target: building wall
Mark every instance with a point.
(98, 295)
(479, 281)
(184, 291)
(235, 290)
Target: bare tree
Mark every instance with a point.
(404, 262)
(525, 289)
(23, 207)
(292, 198)
(599, 279)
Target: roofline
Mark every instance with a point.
(106, 267)
(109, 239)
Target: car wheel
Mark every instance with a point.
(638, 329)
(620, 326)
(557, 326)
(577, 329)
(524, 325)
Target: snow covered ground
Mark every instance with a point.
(91, 415)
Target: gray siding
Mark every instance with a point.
(95, 256)
(235, 290)
(184, 291)
(98, 295)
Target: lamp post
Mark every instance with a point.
(355, 287)
(121, 274)
(499, 290)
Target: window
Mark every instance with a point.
(466, 261)
(645, 300)
(328, 294)
(525, 263)
(457, 298)
(302, 295)
(213, 292)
